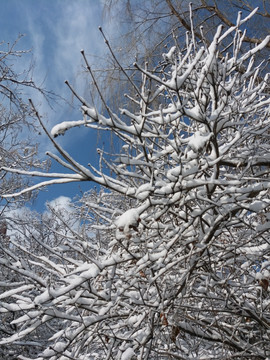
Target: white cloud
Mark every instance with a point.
(62, 210)
(23, 222)
(60, 203)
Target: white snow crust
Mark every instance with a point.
(127, 219)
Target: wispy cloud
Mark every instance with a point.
(56, 31)
(76, 29)
(57, 37)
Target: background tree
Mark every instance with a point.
(172, 260)
(145, 25)
(17, 147)
(142, 31)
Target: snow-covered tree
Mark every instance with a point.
(172, 259)
(17, 148)
(28, 239)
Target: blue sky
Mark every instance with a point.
(56, 31)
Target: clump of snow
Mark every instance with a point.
(174, 173)
(127, 354)
(128, 220)
(169, 55)
(198, 141)
(135, 320)
(264, 274)
(61, 128)
(60, 346)
(143, 191)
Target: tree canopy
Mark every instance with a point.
(169, 257)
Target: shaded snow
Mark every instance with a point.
(127, 354)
